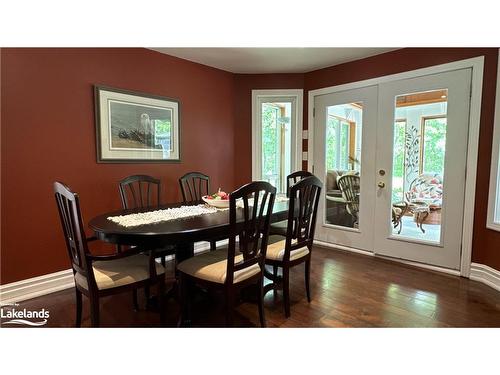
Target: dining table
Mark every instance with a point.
(181, 232)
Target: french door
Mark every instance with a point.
(393, 160)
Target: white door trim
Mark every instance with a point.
(477, 66)
(297, 94)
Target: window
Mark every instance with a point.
(493, 221)
(340, 143)
(432, 150)
(276, 135)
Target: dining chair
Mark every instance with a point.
(279, 228)
(97, 276)
(349, 185)
(143, 191)
(240, 264)
(195, 185)
(296, 248)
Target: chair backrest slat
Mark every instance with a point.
(349, 186)
(141, 194)
(250, 210)
(302, 211)
(194, 185)
(295, 177)
(68, 205)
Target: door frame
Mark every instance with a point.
(296, 155)
(477, 66)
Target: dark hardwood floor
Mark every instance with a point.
(348, 290)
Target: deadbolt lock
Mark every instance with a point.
(381, 172)
(381, 184)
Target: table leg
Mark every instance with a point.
(184, 251)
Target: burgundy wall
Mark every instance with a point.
(48, 134)
(486, 242)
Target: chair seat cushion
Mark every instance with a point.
(276, 251)
(119, 272)
(212, 266)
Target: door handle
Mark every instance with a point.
(381, 184)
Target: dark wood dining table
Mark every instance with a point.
(182, 232)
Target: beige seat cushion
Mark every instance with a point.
(276, 251)
(119, 272)
(212, 267)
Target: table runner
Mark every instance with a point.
(151, 217)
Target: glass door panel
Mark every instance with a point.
(344, 124)
(422, 134)
(344, 158)
(419, 144)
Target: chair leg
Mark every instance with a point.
(213, 245)
(78, 308)
(307, 277)
(229, 307)
(275, 275)
(134, 300)
(184, 317)
(163, 261)
(162, 302)
(94, 311)
(260, 301)
(286, 290)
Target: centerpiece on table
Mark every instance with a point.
(219, 199)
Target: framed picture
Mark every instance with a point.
(133, 127)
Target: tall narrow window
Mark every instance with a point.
(276, 135)
(493, 221)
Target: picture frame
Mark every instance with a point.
(135, 127)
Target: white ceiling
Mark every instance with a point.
(271, 60)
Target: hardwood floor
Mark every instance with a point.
(348, 290)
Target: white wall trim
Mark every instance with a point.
(486, 275)
(36, 286)
(477, 66)
(297, 95)
(397, 260)
(53, 282)
(493, 197)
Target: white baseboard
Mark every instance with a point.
(36, 286)
(485, 274)
(369, 253)
(53, 282)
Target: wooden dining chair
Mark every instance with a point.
(97, 276)
(195, 185)
(143, 191)
(240, 264)
(297, 247)
(279, 228)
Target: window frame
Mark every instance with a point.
(295, 96)
(494, 189)
(349, 149)
(422, 139)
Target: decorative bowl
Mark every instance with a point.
(219, 203)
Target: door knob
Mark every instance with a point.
(381, 184)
